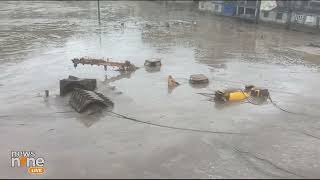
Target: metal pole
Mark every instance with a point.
(237, 11)
(99, 12)
(99, 23)
(244, 8)
(257, 12)
(289, 14)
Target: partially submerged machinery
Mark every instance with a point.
(125, 66)
(82, 99)
(237, 95)
(83, 96)
(72, 82)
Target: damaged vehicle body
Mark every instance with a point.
(82, 99)
(83, 96)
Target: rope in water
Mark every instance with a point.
(170, 127)
(287, 111)
(277, 106)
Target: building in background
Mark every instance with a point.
(215, 7)
(305, 13)
(293, 14)
(248, 9)
(290, 13)
(272, 12)
(244, 9)
(229, 8)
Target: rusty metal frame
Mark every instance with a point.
(126, 66)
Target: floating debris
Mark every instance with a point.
(237, 95)
(259, 93)
(68, 85)
(198, 79)
(82, 99)
(153, 65)
(126, 66)
(154, 62)
(172, 82)
(230, 96)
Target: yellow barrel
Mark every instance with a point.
(238, 96)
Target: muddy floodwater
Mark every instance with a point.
(39, 39)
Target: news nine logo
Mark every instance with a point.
(28, 159)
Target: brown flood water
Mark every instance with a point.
(38, 40)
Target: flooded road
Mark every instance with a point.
(39, 39)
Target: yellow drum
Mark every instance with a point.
(238, 96)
